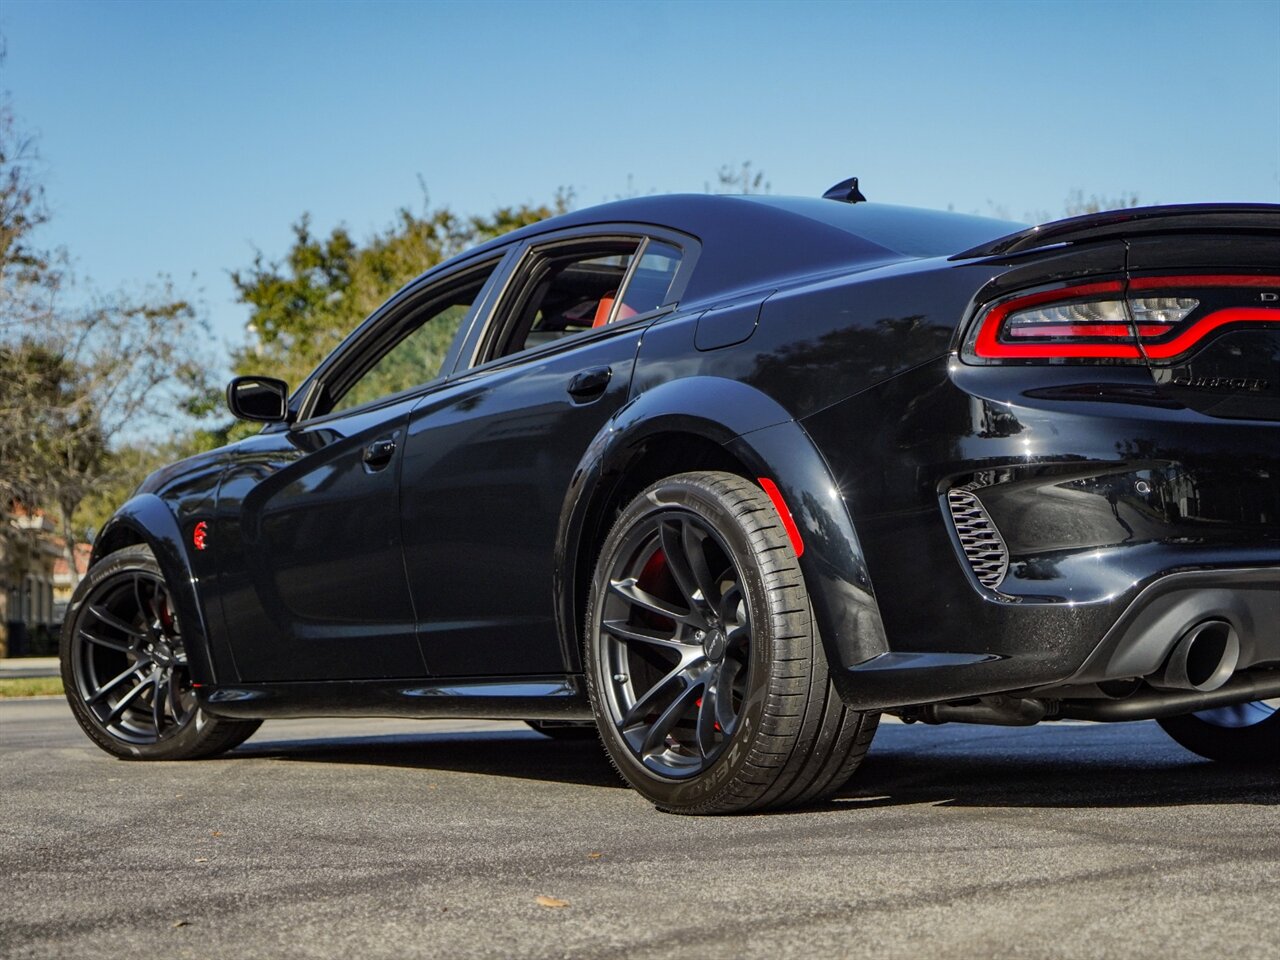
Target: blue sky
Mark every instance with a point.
(180, 137)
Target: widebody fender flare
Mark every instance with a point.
(147, 519)
(758, 433)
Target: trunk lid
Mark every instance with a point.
(1222, 358)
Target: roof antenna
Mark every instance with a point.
(846, 191)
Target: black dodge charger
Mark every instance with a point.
(722, 479)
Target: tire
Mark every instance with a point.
(566, 730)
(706, 674)
(124, 667)
(1247, 735)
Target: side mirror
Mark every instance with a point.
(263, 399)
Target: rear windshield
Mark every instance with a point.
(909, 231)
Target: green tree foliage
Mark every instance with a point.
(303, 305)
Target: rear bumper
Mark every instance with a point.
(1140, 641)
(1124, 521)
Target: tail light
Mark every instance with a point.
(1150, 318)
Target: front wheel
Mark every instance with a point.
(125, 671)
(704, 666)
(1248, 733)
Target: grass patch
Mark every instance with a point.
(30, 687)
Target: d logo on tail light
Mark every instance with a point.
(200, 534)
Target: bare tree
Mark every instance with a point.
(1076, 205)
(75, 379)
(743, 179)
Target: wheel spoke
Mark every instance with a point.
(107, 688)
(119, 646)
(729, 669)
(649, 699)
(175, 699)
(625, 631)
(111, 620)
(127, 699)
(729, 602)
(670, 534)
(157, 701)
(705, 725)
(628, 590)
(148, 613)
(695, 553)
(657, 734)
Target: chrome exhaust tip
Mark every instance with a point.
(1203, 659)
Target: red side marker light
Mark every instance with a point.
(200, 534)
(780, 505)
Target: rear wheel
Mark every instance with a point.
(704, 666)
(125, 669)
(1248, 733)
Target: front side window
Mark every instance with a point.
(411, 349)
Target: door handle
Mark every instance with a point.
(590, 384)
(379, 453)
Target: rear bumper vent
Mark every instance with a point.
(982, 544)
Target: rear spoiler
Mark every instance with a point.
(1135, 222)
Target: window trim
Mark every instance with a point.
(481, 338)
(368, 337)
(524, 274)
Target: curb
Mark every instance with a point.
(26, 667)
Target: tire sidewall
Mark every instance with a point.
(703, 788)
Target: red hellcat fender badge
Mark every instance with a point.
(200, 534)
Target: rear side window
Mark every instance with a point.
(568, 288)
(651, 281)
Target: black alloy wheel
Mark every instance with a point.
(1247, 734)
(125, 669)
(706, 673)
(676, 641)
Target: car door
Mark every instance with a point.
(310, 552)
(488, 461)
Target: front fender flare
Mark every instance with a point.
(147, 519)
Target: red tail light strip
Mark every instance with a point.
(1206, 325)
(1213, 280)
(989, 346)
(1201, 327)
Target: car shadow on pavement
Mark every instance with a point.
(1064, 768)
(1077, 767)
(518, 754)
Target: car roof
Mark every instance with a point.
(757, 239)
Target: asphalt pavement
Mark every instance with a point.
(386, 838)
